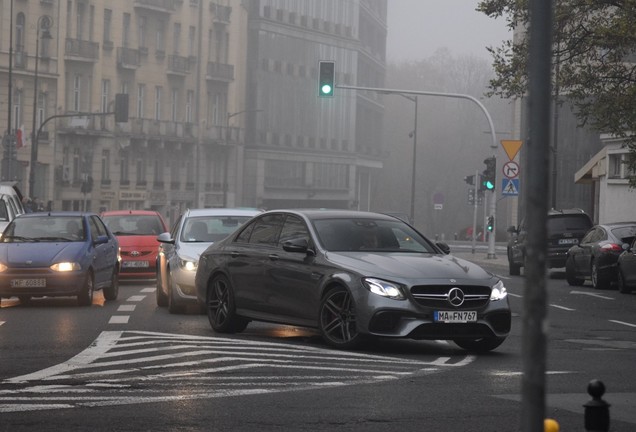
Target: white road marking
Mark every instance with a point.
(126, 308)
(148, 290)
(136, 298)
(592, 295)
(129, 367)
(562, 307)
(519, 373)
(119, 319)
(623, 323)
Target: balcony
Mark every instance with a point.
(165, 129)
(178, 65)
(81, 50)
(220, 72)
(163, 6)
(221, 14)
(222, 135)
(128, 58)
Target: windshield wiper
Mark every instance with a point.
(29, 239)
(54, 239)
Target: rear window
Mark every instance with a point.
(134, 224)
(559, 224)
(626, 234)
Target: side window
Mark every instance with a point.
(267, 229)
(244, 235)
(4, 214)
(294, 228)
(175, 227)
(588, 237)
(97, 227)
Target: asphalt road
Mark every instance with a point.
(130, 366)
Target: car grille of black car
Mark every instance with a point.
(436, 296)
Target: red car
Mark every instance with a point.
(137, 232)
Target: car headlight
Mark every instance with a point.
(383, 288)
(66, 267)
(498, 292)
(3, 267)
(188, 264)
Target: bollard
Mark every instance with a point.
(596, 410)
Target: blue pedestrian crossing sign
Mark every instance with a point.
(510, 187)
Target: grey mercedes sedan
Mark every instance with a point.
(351, 275)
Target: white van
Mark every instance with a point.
(10, 203)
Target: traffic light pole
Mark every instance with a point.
(493, 201)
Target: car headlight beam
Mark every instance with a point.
(383, 288)
(188, 264)
(498, 292)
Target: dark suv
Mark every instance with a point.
(565, 228)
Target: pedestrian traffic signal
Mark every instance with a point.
(491, 223)
(326, 78)
(489, 175)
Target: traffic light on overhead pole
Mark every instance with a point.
(326, 78)
(488, 176)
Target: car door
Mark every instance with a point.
(628, 265)
(104, 254)
(167, 255)
(291, 282)
(246, 258)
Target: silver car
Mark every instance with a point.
(179, 251)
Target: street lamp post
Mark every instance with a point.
(44, 23)
(227, 151)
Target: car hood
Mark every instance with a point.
(40, 254)
(410, 265)
(193, 249)
(137, 241)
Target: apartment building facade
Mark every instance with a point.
(179, 61)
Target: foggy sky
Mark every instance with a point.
(418, 28)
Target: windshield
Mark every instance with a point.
(45, 229)
(210, 228)
(130, 224)
(370, 235)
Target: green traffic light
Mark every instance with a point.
(326, 89)
(489, 185)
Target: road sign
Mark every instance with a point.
(510, 187)
(510, 169)
(511, 147)
(438, 206)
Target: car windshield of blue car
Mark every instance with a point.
(370, 235)
(45, 229)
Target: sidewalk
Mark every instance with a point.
(464, 250)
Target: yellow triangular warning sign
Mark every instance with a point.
(511, 147)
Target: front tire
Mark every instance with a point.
(85, 297)
(338, 319)
(620, 281)
(111, 292)
(162, 299)
(598, 280)
(480, 345)
(173, 305)
(221, 308)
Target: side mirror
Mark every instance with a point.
(300, 245)
(165, 238)
(103, 239)
(444, 247)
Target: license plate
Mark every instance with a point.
(568, 241)
(135, 264)
(455, 316)
(28, 283)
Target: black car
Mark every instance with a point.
(595, 257)
(626, 268)
(351, 275)
(565, 229)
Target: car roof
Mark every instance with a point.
(567, 212)
(57, 214)
(616, 224)
(131, 212)
(334, 213)
(222, 212)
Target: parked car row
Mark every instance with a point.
(605, 256)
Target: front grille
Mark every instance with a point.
(436, 296)
(140, 253)
(451, 331)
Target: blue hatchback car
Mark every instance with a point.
(58, 254)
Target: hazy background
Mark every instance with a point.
(417, 28)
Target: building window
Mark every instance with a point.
(91, 23)
(124, 87)
(17, 109)
(158, 171)
(108, 19)
(77, 93)
(126, 34)
(161, 36)
(189, 103)
(615, 166)
(142, 31)
(124, 169)
(105, 164)
(140, 100)
(191, 40)
(80, 21)
(141, 171)
(19, 32)
(174, 105)
(176, 38)
(105, 95)
(41, 108)
(157, 103)
(76, 165)
(69, 17)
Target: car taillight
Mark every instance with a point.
(613, 247)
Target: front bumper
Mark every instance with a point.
(55, 284)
